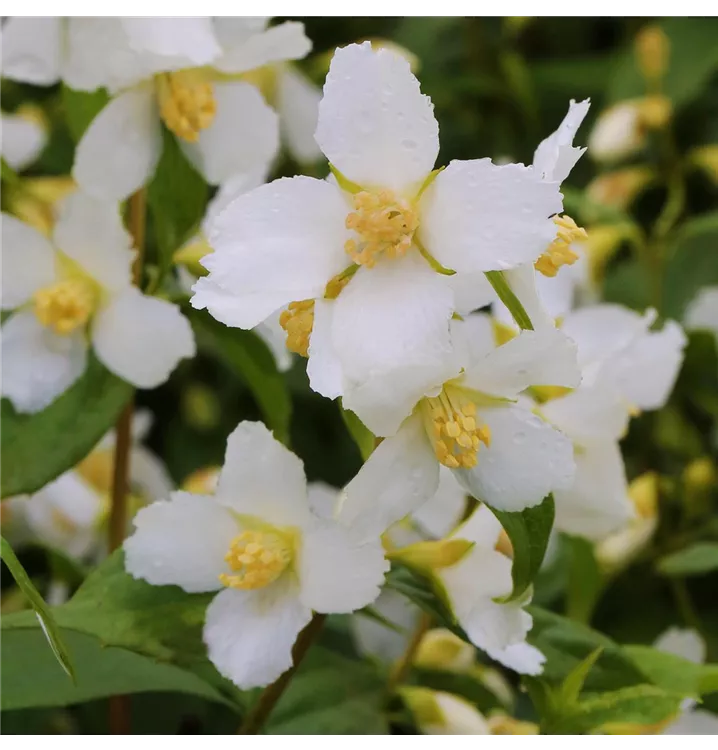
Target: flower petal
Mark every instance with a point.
(32, 49)
(682, 642)
(191, 39)
(527, 459)
(597, 501)
(483, 528)
(521, 657)
(277, 244)
(142, 338)
(375, 639)
(28, 262)
(555, 156)
(22, 140)
(337, 574)
(375, 126)
(149, 475)
(323, 499)
(275, 337)
(181, 542)
(400, 475)
(260, 477)
(243, 136)
(298, 106)
(91, 232)
(442, 513)
(694, 722)
(323, 367)
(546, 357)
(702, 312)
(476, 216)
(250, 634)
(38, 365)
(120, 149)
(247, 47)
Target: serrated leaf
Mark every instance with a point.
(177, 198)
(37, 448)
(44, 616)
(575, 679)
(529, 532)
(360, 433)
(698, 559)
(673, 672)
(81, 108)
(252, 360)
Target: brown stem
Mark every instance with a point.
(402, 667)
(119, 719)
(258, 714)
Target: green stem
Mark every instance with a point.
(507, 296)
(402, 667)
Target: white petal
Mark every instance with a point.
(323, 367)
(471, 291)
(521, 657)
(597, 502)
(38, 365)
(191, 39)
(475, 580)
(91, 232)
(526, 460)
(323, 499)
(142, 338)
(32, 49)
(694, 722)
(275, 337)
(230, 189)
(441, 513)
(483, 529)
(149, 475)
(246, 48)
(682, 642)
(401, 474)
(493, 627)
(22, 141)
(524, 283)
(119, 151)
(181, 542)
(459, 717)
(618, 132)
(546, 357)
(556, 156)
(260, 477)
(375, 125)
(377, 640)
(477, 216)
(28, 262)
(277, 244)
(243, 136)
(250, 634)
(337, 574)
(298, 105)
(588, 414)
(474, 338)
(646, 372)
(702, 312)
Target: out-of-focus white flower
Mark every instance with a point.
(257, 542)
(23, 138)
(702, 312)
(178, 71)
(297, 102)
(354, 260)
(497, 449)
(74, 288)
(438, 712)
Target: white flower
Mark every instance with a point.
(438, 712)
(702, 312)
(499, 450)
(297, 103)
(77, 289)
(355, 259)
(185, 77)
(257, 542)
(23, 139)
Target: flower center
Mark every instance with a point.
(385, 224)
(257, 558)
(450, 420)
(66, 305)
(559, 252)
(187, 103)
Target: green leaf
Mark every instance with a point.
(585, 580)
(331, 694)
(251, 359)
(575, 679)
(698, 559)
(30, 678)
(7, 173)
(37, 448)
(81, 108)
(528, 531)
(42, 611)
(673, 672)
(360, 433)
(507, 296)
(177, 197)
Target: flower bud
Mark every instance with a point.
(652, 48)
(436, 712)
(427, 557)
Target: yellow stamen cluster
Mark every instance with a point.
(385, 224)
(298, 320)
(257, 558)
(452, 427)
(187, 103)
(559, 252)
(67, 305)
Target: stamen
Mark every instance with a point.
(187, 103)
(66, 305)
(257, 558)
(298, 320)
(559, 252)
